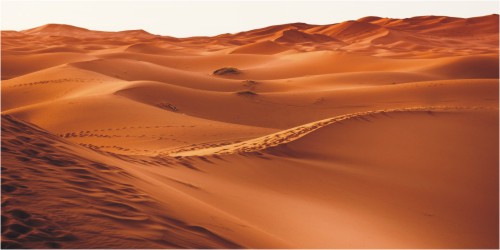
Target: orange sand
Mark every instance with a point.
(372, 133)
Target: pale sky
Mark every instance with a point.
(208, 18)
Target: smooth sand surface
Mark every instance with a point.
(370, 133)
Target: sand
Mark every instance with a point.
(370, 133)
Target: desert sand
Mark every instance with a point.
(370, 133)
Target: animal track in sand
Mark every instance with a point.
(92, 133)
(54, 81)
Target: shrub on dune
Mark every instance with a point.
(227, 70)
(246, 93)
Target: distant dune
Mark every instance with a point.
(370, 133)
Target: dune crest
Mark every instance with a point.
(289, 135)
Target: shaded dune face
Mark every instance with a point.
(370, 133)
(73, 196)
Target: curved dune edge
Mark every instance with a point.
(292, 134)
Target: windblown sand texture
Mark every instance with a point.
(371, 133)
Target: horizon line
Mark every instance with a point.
(246, 30)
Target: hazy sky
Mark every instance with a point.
(195, 18)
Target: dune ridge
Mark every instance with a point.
(289, 135)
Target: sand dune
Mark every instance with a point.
(323, 169)
(72, 31)
(466, 67)
(93, 193)
(266, 47)
(370, 133)
(296, 36)
(20, 65)
(289, 135)
(145, 48)
(350, 31)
